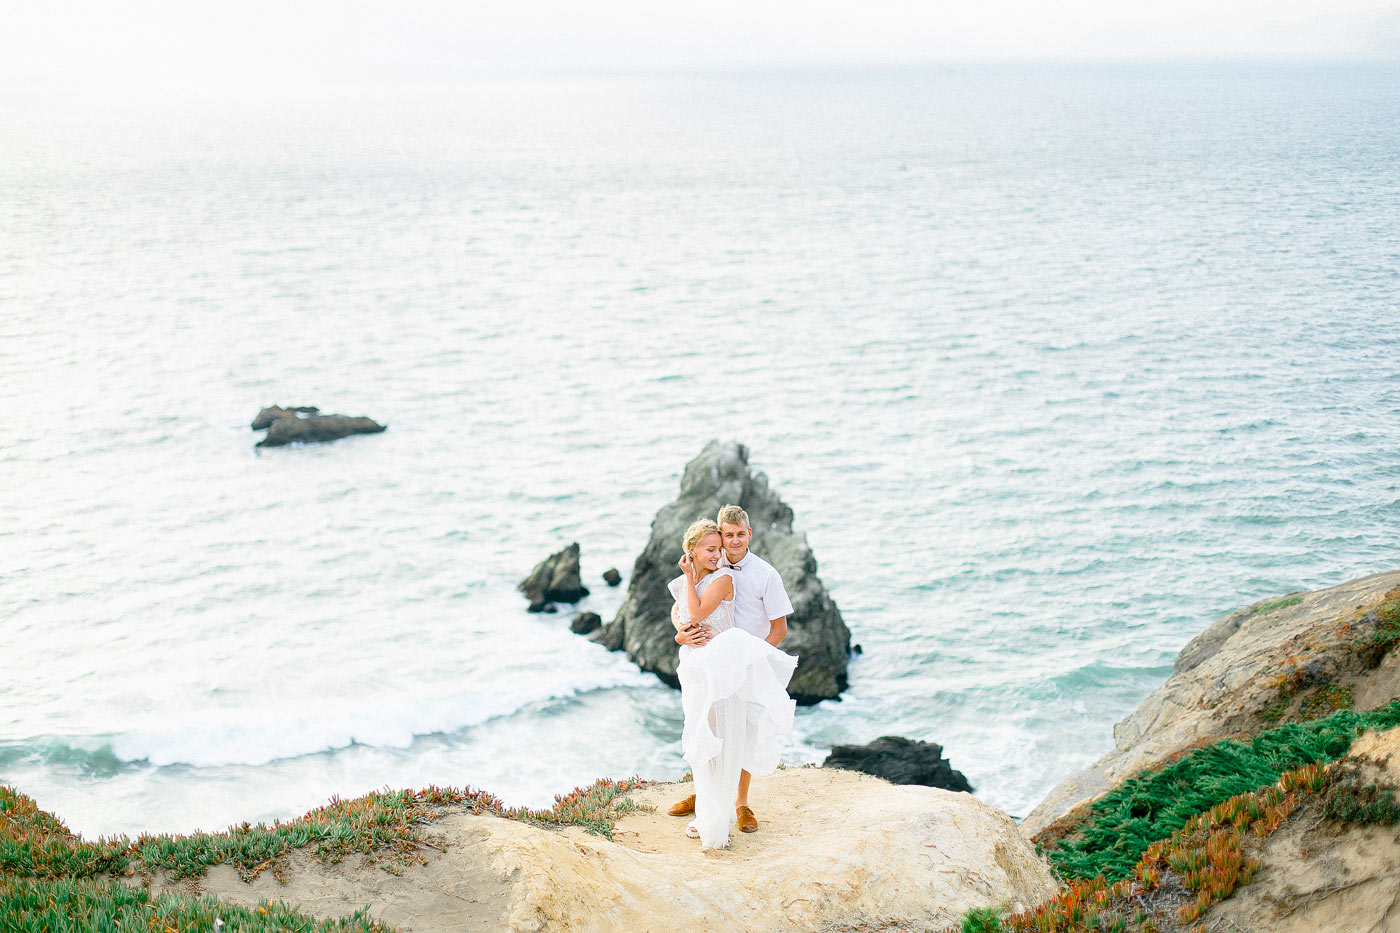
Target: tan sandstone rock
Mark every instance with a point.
(834, 847)
(1227, 677)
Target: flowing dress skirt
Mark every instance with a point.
(734, 693)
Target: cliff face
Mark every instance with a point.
(1270, 662)
(834, 848)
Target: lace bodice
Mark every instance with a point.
(723, 615)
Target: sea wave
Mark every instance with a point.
(260, 737)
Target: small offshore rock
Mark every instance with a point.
(612, 577)
(584, 623)
(304, 425)
(555, 579)
(900, 761)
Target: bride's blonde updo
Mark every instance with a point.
(698, 529)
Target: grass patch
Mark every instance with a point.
(1119, 827)
(982, 920)
(1313, 679)
(1378, 630)
(30, 905)
(1326, 700)
(1350, 799)
(385, 826)
(1292, 599)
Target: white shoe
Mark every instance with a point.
(692, 830)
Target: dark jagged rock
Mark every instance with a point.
(720, 476)
(554, 579)
(900, 761)
(270, 414)
(304, 425)
(611, 577)
(585, 623)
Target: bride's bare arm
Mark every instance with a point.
(715, 593)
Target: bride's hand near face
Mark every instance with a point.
(699, 562)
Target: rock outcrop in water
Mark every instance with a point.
(720, 476)
(554, 579)
(1274, 661)
(585, 623)
(305, 425)
(900, 761)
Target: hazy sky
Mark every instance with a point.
(195, 40)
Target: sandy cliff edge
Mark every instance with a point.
(834, 848)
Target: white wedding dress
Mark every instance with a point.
(734, 694)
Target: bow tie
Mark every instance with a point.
(732, 566)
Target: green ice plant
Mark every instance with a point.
(1119, 827)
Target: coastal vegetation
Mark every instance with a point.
(1162, 848)
(1273, 605)
(1109, 836)
(53, 880)
(1318, 674)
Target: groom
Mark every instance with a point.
(761, 608)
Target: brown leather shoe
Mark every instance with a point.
(684, 807)
(748, 823)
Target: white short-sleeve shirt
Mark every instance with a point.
(759, 596)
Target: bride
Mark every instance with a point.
(733, 687)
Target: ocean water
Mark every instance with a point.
(1055, 365)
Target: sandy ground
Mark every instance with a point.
(458, 889)
(834, 850)
(1318, 879)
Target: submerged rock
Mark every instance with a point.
(554, 579)
(900, 761)
(720, 476)
(304, 425)
(584, 623)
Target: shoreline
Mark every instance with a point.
(1294, 662)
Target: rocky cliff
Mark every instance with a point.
(1274, 661)
(720, 476)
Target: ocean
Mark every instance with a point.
(1054, 364)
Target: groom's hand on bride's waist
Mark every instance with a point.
(694, 634)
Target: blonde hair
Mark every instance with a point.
(698, 530)
(733, 515)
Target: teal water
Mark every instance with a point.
(1054, 365)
